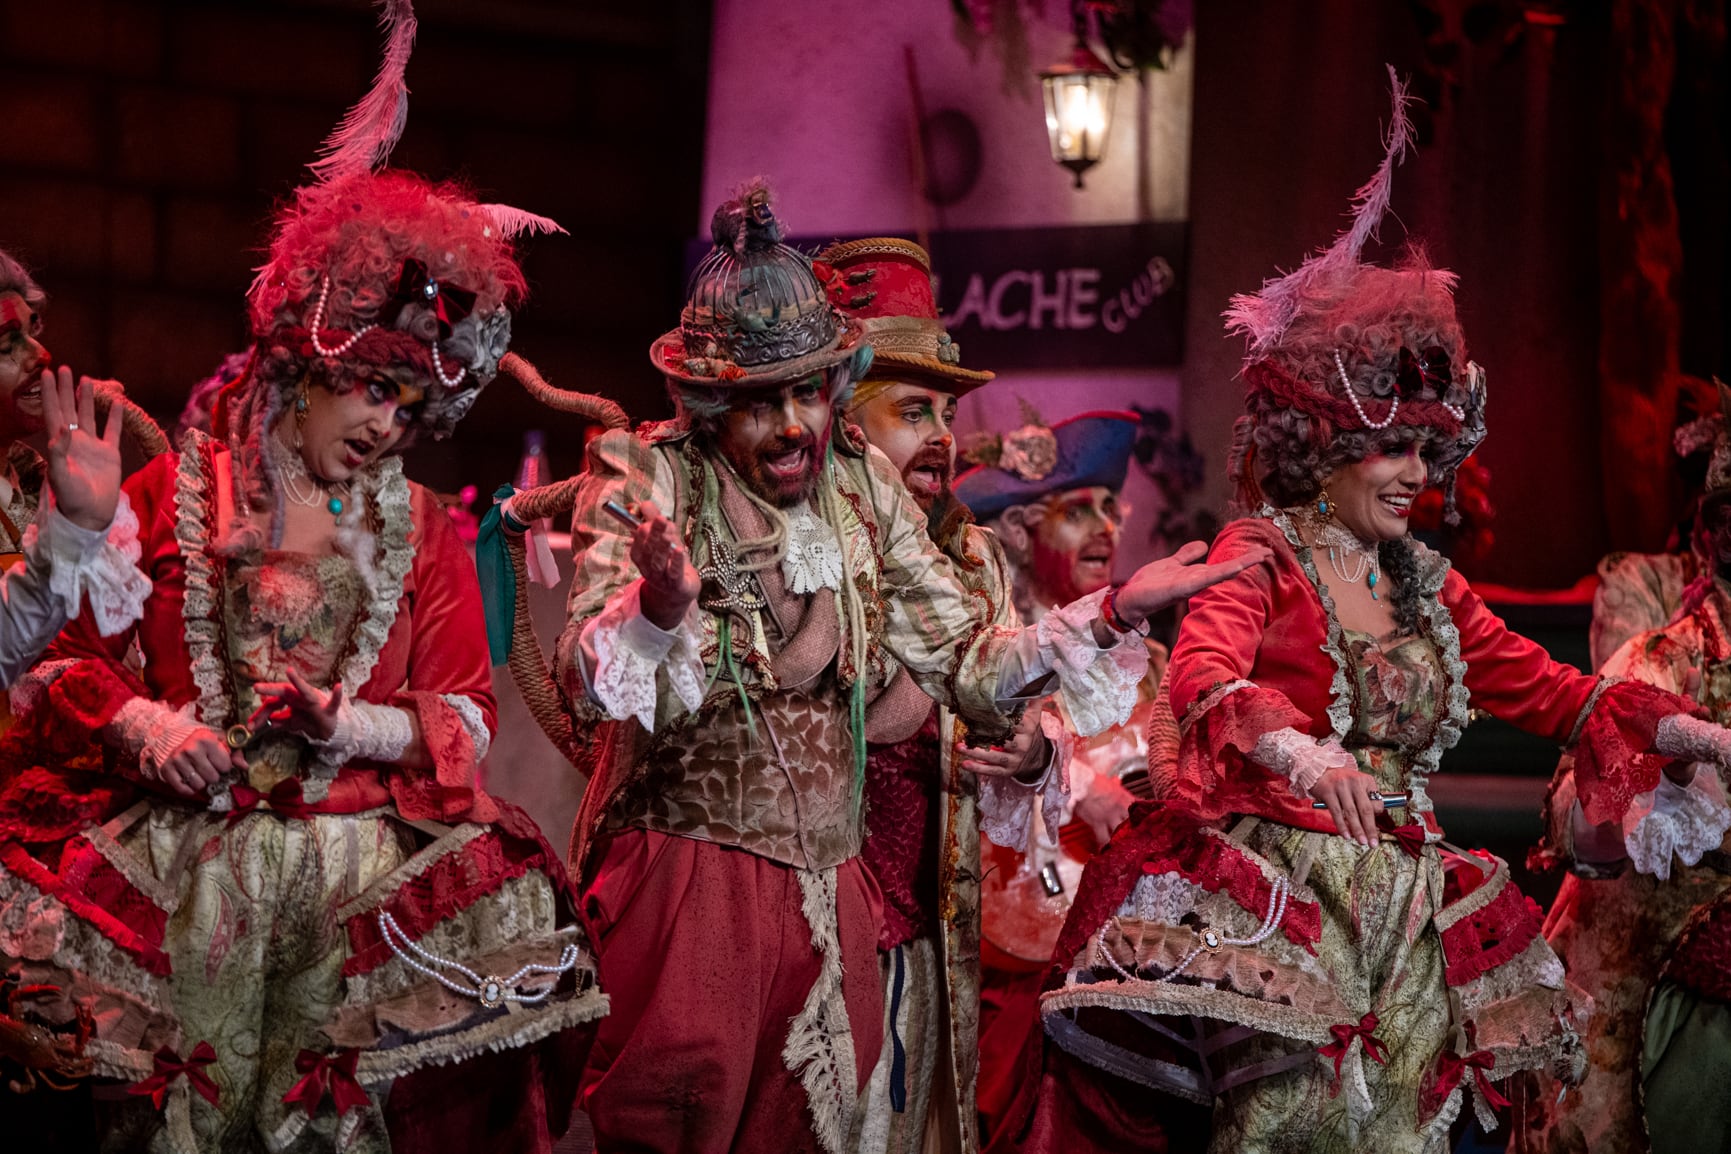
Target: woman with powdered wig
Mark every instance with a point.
(274, 890)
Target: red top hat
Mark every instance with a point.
(885, 283)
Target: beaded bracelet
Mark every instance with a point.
(1109, 612)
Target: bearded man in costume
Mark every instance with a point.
(1642, 922)
(724, 648)
(1051, 495)
(922, 843)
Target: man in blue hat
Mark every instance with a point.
(1051, 494)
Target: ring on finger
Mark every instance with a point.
(1374, 795)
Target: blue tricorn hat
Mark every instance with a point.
(1035, 461)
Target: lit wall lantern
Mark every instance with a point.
(1079, 93)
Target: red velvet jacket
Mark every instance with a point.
(1268, 626)
(435, 646)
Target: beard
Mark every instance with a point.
(781, 489)
(931, 459)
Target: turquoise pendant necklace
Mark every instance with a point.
(303, 488)
(1351, 559)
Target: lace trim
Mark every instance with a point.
(385, 485)
(1006, 806)
(382, 890)
(505, 1032)
(364, 732)
(164, 895)
(625, 681)
(812, 559)
(31, 690)
(1164, 899)
(1599, 689)
(1208, 701)
(1098, 687)
(1537, 965)
(1439, 624)
(78, 946)
(1339, 687)
(110, 577)
(1691, 739)
(192, 532)
(819, 1049)
(150, 731)
(474, 721)
(1676, 821)
(1298, 757)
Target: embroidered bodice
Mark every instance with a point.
(1397, 691)
(289, 610)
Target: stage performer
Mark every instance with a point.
(1642, 920)
(1339, 978)
(923, 788)
(724, 649)
(1052, 496)
(275, 892)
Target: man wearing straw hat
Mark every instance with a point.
(746, 575)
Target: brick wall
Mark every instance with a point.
(142, 145)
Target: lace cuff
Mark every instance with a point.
(364, 732)
(1688, 738)
(100, 564)
(1097, 686)
(148, 732)
(1007, 805)
(1684, 821)
(1299, 757)
(627, 650)
(474, 722)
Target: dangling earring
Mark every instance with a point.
(300, 414)
(1323, 505)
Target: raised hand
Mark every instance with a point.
(1347, 792)
(1171, 579)
(298, 706)
(670, 581)
(83, 466)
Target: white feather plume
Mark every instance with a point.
(364, 139)
(514, 222)
(1264, 316)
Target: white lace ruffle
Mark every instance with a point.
(364, 732)
(812, 559)
(629, 651)
(31, 690)
(1006, 805)
(1676, 821)
(1098, 686)
(107, 574)
(1299, 757)
(1691, 739)
(148, 732)
(474, 721)
(1161, 899)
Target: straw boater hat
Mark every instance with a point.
(885, 283)
(756, 312)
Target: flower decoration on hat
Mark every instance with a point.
(1036, 461)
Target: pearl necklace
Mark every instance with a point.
(1343, 545)
(305, 489)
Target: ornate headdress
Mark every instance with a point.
(1340, 351)
(755, 312)
(371, 268)
(885, 283)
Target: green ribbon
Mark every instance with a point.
(498, 579)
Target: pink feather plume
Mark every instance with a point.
(514, 222)
(1263, 317)
(364, 139)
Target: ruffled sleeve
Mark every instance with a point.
(624, 654)
(101, 565)
(1098, 687)
(1622, 753)
(1007, 806)
(1674, 821)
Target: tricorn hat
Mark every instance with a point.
(1035, 461)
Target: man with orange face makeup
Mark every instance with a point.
(923, 802)
(1051, 494)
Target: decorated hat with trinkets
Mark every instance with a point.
(885, 283)
(1342, 354)
(1036, 461)
(756, 312)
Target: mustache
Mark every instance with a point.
(932, 457)
(787, 445)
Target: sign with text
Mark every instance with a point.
(1075, 297)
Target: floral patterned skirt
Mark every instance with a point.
(269, 976)
(1322, 995)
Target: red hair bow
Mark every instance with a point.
(322, 1073)
(169, 1067)
(1345, 1032)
